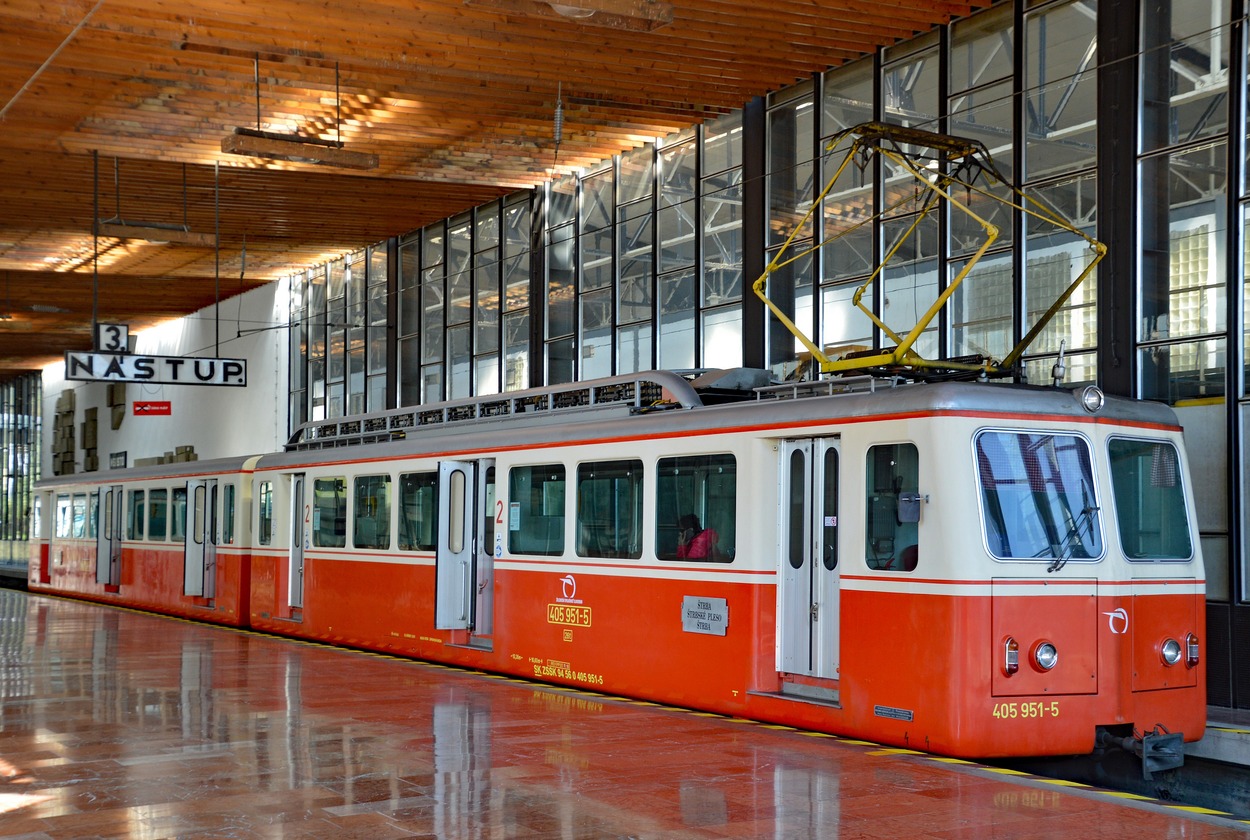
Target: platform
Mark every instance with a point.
(120, 724)
(1227, 738)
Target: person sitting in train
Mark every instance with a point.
(695, 542)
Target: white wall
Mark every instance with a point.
(218, 421)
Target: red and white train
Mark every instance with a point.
(968, 569)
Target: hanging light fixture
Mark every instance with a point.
(296, 148)
(635, 15)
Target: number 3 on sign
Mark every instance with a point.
(112, 338)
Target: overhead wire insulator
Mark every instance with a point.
(558, 127)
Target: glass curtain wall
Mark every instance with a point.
(791, 189)
(464, 304)
(910, 236)
(21, 402)
(675, 223)
(1182, 325)
(1059, 157)
(337, 362)
(979, 103)
(635, 259)
(1242, 310)
(720, 243)
(848, 244)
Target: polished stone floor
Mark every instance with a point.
(116, 724)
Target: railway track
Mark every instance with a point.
(1200, 783)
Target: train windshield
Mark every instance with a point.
(1038, 499)
(1150, 505)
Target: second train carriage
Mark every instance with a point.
(969, 569)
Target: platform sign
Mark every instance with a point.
(153, 408)
(155, 370)
(112, 338)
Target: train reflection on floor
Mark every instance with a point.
(116, 724)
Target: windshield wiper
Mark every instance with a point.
(1083, 525)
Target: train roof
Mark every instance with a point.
(172, 469)
(637, 406)
(657, 403)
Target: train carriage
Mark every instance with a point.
(174, 538)
(964, 568)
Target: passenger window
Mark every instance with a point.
(158, 503)
(371, 526)
(80, 516)
(696, 500)
(178, 515)
(135, 516)
(264, 527)
(227, 514)
(329, 525)
(1149, 500)
(609, 509)
(892, 526)
(64, 517)
(1037, 492)
(93, 514)
(536, 510)
(418, 511)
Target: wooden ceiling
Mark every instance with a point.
(122, 105)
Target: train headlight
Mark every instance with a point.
(1191, 650)
(1045, 655)
(1011, 656)
(1170, 652)
(1091, 398)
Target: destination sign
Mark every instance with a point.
(704, 615)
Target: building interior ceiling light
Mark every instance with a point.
(294, 148)
(637, 15)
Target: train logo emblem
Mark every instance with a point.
(570, 587)
(1117, 620)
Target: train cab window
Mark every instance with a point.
(536, 510)
(158, 506)
(371, 522)
(36, 518)
(135, 516)
(418, 511)
(64, 517)
(696, 499)
(227, 514)
(264, 525)
(892, 533)
(178, 514)
(1037, 493)
(1150, 507)
(329, 525)
(609, 509)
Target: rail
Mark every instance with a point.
(635, 393)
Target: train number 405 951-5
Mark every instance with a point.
(1028, 709)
